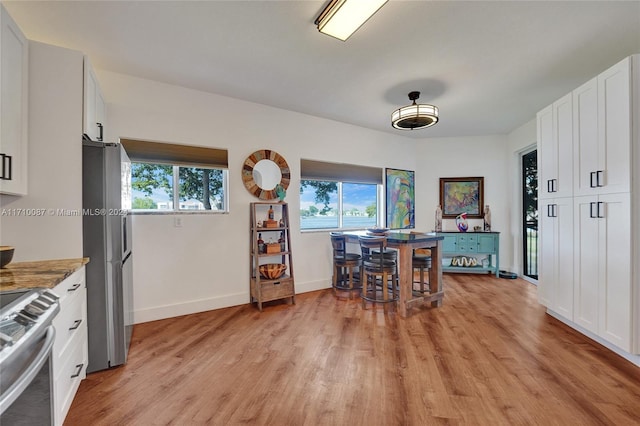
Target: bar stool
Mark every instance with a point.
(377, 269)
(344, 264)
(421, 261)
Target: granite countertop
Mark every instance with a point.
(38, 274)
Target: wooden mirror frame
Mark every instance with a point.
(247, 173)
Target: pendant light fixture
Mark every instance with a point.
(414, 116)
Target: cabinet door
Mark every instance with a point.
(563, 133)
(547, 156)
(586, 259)
(547, 253)
(94, 105)
(614, 127)
(615, 295)
(563, 233)
(555, 283)
(449, 244)
(585, 137)
(14, 63)
(486, 243)
(555, 139)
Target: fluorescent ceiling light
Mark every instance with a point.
(341, 18)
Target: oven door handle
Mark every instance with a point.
(25, 379)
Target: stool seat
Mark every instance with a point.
(421, 261)
(422, 264)
(345, 265)
(378, 266)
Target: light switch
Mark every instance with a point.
(177, 222)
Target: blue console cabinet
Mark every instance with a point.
(480, 245)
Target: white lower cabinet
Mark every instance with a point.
(70, 351)
(603, 294)
(555, 284)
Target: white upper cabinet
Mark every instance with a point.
(94, 112)
(614, 128)
(585, 133)
(555, 138)
(14, 73)
(602, 132)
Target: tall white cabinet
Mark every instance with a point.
(589, 244)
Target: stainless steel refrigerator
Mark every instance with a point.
(107, 242)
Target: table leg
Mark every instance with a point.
(405, 277)
(435, 274)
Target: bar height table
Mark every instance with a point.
(405, 243)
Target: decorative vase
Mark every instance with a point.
(438, 219)
(461, 222)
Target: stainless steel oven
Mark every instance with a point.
(26, 339)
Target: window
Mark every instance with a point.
(198, 188)
(334, 196)
(170, 178)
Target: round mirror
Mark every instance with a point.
(263, 171)
(267, 174)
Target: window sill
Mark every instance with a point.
(176, 212)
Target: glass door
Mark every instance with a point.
(530, 213)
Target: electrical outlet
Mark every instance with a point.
(177, 222)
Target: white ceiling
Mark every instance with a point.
(488, 65)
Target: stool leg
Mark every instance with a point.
(422, 280)
(363, 288)
(385, 286)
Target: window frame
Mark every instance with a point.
(380, 214)
(175, 167)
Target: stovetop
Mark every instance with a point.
(24, 319)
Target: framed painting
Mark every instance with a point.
(462, 195)
(400, 197)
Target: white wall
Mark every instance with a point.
(55, 160)
(484, 156)
(204, 264)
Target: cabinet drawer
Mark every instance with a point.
(71, 321)
(68, 377)
(70, 286)
(467, 243)
(276, 289)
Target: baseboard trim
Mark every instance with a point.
(189, 307)
(209, 304)
(634, 359)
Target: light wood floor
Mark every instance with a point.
(489, 356)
